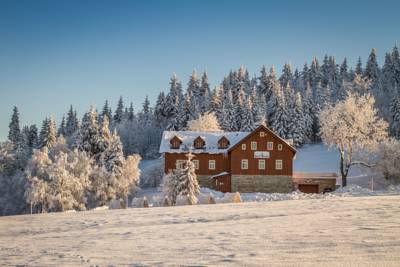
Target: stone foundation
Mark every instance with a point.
(262, 183)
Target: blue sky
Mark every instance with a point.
(57, 53)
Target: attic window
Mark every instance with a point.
(198, 143)
(223, 143)
(175, 142)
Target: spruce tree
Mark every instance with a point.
(359, 69)
(247, 120)
(33, 140)
(14, 134)
(72, 124)
(119, 112)
(62, 130)
(48, 133)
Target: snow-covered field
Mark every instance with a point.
(358, 231)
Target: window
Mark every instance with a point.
(243, 146)
(261, 164)
(280, 147)
(262, 134)
(278, 164)
(211, 164)
(270, 145)
(180, 164)
(244, 164)
(196, 164)
(253, 145)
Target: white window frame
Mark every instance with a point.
(179, 164)
(261, 164)
(280, 147)
(262, 134)
(270, 146)
(196, 163)
(244, 164)
(212, 164)
(243, 146)
(278, 164)
(253, 145)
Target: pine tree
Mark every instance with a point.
(194, 92)
(88, 136)
(395, 117)
(279, 119)
(72, 124)
(287, 75)
(297, 126)
(131, 113)
(204, 97)
(33, 136)
(343, 70)
(48, 133)
(359, 69)
(106, 111)
(247, 120)
(62, 129)
(160, 111)
(14, 134)
(119, 112)
(229, 114)
(189, 184)
(372, 67)
(309, 114)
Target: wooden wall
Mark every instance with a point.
(286, 155)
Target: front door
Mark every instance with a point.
(224, 183)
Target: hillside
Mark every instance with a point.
(359, 231)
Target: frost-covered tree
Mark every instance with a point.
(229, 114)
(182, 182)
(204, 97)
(14, 133)
(72, 124)
(189, 186)
(33, 137)
(57, 178)
(87, 139)
(246, 117)
(280, 118)
(287, 76)
(352, 126)
(48, 134)
(207, 122)
(297, 123)
(395, 117)
(389, 160)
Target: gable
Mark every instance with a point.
(268, 132)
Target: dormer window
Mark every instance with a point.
(175, 142)
(223, 143)
(199, 143)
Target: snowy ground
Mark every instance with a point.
(347, 231)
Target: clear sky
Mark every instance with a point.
(57, 53)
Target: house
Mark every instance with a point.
(257, 161)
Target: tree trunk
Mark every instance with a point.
(343, 170)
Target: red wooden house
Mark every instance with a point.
(258, 161)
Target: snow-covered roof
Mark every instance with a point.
(210, 138)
